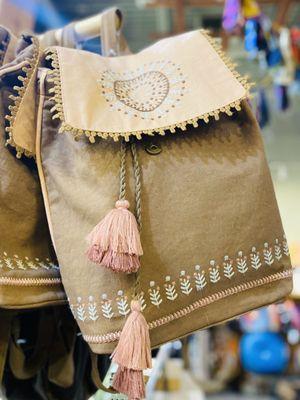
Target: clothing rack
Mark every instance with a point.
(90, 27)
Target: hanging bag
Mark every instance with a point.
(195, 238)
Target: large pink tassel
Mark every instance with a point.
(115, 242)
(133, 355)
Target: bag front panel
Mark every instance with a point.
(212, 237)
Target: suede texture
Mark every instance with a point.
(206, 195)
(26, 251)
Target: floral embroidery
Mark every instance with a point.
(228, 267)
(92, 309)
(147, 92)
(277, 250)
(200, 280)
(185, 283)
(255, 259)
(15, 262)
(214, 274)
(154, 293)
(122, 303)
(106, 307)
(172, 289)
(80, 309)
(268, 254)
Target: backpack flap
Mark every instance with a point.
(169, 85)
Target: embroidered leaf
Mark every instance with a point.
(9, 264)
(214, 274)
(154, 294)
(81, 312)
(123, 306)
(171, 293)
(185, 285)
(277, 250)
(268, 256)
(255, 259)
(92, 309)
(20, 264)
(228, 267)
(285, 247)
(142, 301)
(200, 280)
(241, 263)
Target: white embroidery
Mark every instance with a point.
(241, 263)
(185, 283)
(142, 300)
(106, 307)
(200, 280)
(228, 267)
(214, 274)
(173, 288)
(31, 264)
(268, 254)
(285, 247)
(255, 259)
(277, 250)
(122, 304)
(80, 310)
(15, 262)
(154, 294)
(19, 263)
(171, 293)
(92, 309)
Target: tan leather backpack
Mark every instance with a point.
(170, 130)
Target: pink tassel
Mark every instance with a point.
(130, 382)
(133, 355)
(115, 242)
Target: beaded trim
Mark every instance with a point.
(14, 262)
(187, 282)
(10, 281)
(58, 112)
(18, 98)
(205, 301)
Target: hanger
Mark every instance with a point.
(89, 28)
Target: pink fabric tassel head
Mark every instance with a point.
(115, 242)
(132, 354)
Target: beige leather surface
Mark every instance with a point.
(175, 80)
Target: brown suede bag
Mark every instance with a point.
(196, 174)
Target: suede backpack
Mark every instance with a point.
(195, 237)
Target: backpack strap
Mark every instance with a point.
(112, 40)
(22, 366)
(96, 377)
(5, 332)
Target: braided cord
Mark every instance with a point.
(138, 209)
(123, 171)
(137, 183)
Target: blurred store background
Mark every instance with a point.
(257, 356)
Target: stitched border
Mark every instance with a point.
(18, 98)
(205, 301)
(58, 111)
(10, 281)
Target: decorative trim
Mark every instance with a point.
(58, 111)
(26, 264)
(205, 301)
(18, 98)
(10, 281)
(198, 279)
